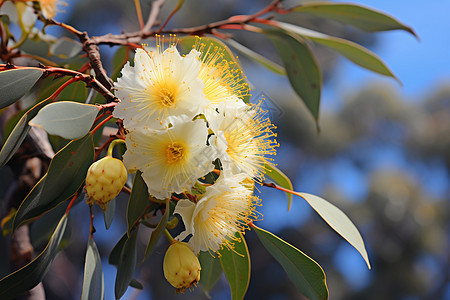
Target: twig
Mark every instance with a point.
(156, 8)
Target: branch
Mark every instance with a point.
(156, 8)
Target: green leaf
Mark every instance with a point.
(139, 201)
(42, 229)
(30, 275)
(338, 221)
(93, 282)
(257, 57)
(109, 213)
(65, 175)
(19, 133)
(156, 234)
(127, 264)
(354, 52)
(301, 67)
(65, 47)
(67, 119)
(15, 83)
(210, 46)
(136, 284)
(356, 15)
(304, 272)
(280, 179)
(236, 266)
(114, 256)
(211, 270)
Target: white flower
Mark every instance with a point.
(225, 208)
(244, 138)
(171, 160)
(222, 78)
(48, 7)
(160, 84)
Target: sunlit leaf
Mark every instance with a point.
(236, 266)
(257, 57)
(30, 275)
(281, 179)
(156, 234)
(67, 119)
(19, 133)
(362, 17)
(304, 272)
(127, 264)
(354, 52)
(139, 201)
(65, 175)
(15, 83)
(338, 221)
(93, 282)
(301, 67)
(211, 270)
(210, 46)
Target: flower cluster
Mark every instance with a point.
(186, 119)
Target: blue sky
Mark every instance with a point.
(420, 65)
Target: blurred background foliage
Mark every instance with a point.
(381, 157)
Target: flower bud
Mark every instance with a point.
(104, 180)
(181, 266)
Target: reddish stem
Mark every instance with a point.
(62, 87)
(71, 203)
(101, 124)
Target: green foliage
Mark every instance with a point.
(156, 234)
(211, 270)
(301, 67)
(69, 120)
(110, 212)
(354, 52)
(93, 282)
(236, 266)
(281, 179)
(29, 276)
(65, 175)
(138, 202)
(338, 221)
(126, 264)
(16, 83)
(353, 14)
(304, 272)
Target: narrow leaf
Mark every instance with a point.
(109, 213)
(67, 119)
(65, 175)
(156, 234)
(30, 275)
(257, 57)
(360, 16)
(93, 282)
(338, 221)
(114, 256)
(15, 83)
(304, 272)
(139, 201)
(301, 67)
(354, 52)
(19, 133)
(281, 179)
(211, 270)
(127, 264)
(236, 266)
